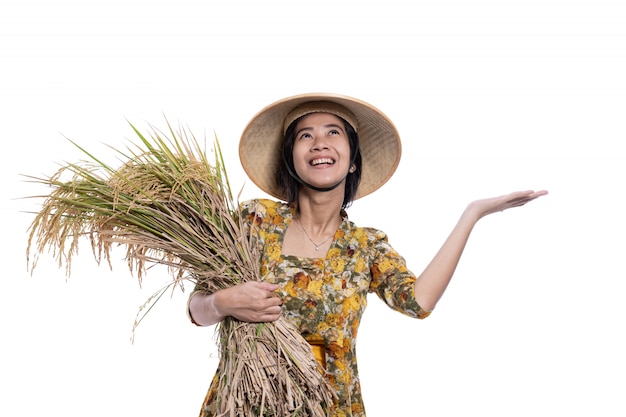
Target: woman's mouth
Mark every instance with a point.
(322, 161)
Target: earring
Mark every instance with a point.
(352, 169)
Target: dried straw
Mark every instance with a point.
(168, 205)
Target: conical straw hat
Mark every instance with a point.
(261, 141)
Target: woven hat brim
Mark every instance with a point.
(261, 141)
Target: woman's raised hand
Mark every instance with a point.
(481, 208)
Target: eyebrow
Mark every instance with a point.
(327, 126)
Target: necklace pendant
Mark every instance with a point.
(315, 245)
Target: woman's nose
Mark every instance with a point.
(319, 143)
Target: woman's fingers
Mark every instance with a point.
(262, 285)
(495, 204)
(255, 301)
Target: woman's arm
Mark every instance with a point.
(434, 280)
(251, 301)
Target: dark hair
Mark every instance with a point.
(290, 185)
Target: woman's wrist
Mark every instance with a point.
(203, 309)
(471, 214)
(213, 305)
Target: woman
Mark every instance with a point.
(317, 153)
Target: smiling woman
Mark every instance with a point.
(320, 151)
(317, 153)
(322, 138)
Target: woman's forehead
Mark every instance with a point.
(319, 118)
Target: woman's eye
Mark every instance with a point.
(333, 132)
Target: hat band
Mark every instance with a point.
(320, 107)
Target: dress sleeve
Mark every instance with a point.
(391, 279)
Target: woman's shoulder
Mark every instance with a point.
(263, 208)
(372, 234)
(262, 204)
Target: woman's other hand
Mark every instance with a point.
(481, 208)
(432, 283)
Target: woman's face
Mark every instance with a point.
(321, 152)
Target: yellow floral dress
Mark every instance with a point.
(325, 298)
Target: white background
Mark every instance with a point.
(489, 97)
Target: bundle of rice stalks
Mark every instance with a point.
(167, 204)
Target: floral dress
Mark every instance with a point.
(325, 298)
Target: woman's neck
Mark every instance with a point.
(319, 213)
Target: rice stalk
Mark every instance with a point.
(168, 204)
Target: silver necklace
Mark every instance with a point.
(317, 245)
